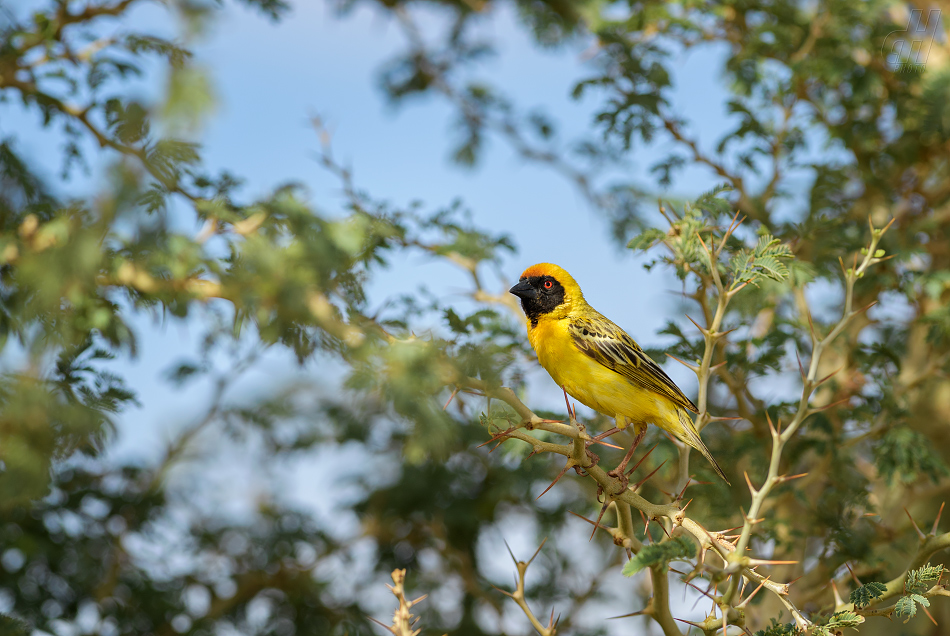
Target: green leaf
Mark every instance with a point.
(837, 622)
(764, 243)
(646, 239)
(780, 629)
(740, 262)
(840, 620)
(918, 580)
(189, 97)
(923, 600)
(712, 203)
(906, 607)
(175, 55)
(128, 121)
(183, 372)
(864, 595)
(678, 549)
(761, 262)
(772, 268)
(768, 245)
(904, 454)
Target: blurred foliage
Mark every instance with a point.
(660, 554)
(828, 134)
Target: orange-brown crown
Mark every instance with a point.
(548, 269)
(572, 289)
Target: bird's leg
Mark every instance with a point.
(572, 414)
(594, 459)
(620, 471)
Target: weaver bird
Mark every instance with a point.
(598, 364)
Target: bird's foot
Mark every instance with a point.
(620, 474)
(594, 458)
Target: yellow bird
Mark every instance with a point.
(598, 364)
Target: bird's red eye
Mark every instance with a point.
(548, 284)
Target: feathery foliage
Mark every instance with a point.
(864, 595)
(660, 554)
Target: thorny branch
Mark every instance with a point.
(518, 595)
(733, 567)
(577, 456)
(711, 337)
(780, 437)
(403, 620)
(734, 564)
(930, 544)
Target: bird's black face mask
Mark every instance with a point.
(539, 295)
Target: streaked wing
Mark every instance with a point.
(609, 345)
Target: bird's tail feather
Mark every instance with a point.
(691, 437)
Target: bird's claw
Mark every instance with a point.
(594, 457)
(619, 474)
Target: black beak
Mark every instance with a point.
(524, 290)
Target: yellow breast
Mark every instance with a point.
(593, 384)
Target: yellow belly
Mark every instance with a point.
(593, 384)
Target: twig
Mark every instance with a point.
(518, 595)
(403, 620)
(715, 542)
(781, 437)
